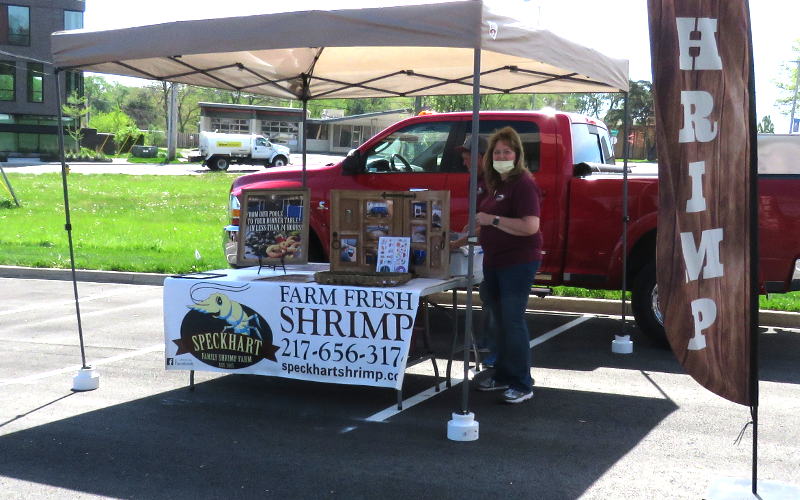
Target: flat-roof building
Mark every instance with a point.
(332, 133)
(28, 105)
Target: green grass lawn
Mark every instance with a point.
(148, 223)
(775, 301)
(119, 222)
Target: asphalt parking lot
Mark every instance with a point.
(601, 425)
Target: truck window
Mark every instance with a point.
(605, 145)
(586, 144)
(417, 148)
(260, 141)
(528, 131)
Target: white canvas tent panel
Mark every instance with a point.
(422, 49)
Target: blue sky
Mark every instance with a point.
(617, 28)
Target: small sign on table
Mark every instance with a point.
(393, 254)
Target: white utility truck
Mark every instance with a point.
(219, 150)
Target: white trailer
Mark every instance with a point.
(220, 150)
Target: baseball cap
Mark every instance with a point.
(483, 144)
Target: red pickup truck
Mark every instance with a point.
(573, 162)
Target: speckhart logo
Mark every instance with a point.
(223, 333)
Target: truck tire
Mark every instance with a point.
(280, 161)
(218, 163)
(645, 304)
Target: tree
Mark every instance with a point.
(75, 109)
(141, 104)
(766, 126)
(640, 105)
(789, 82)
(114, 122)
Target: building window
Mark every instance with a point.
(230, 125)
(283, 132)
(351, 136)
(35, 79)
(15, 25)
(73, 20)
(317, 131)
(73, 83)
(8, 78)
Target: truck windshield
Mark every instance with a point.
(416, 148)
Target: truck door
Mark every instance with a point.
(262, 149)
(413, 157)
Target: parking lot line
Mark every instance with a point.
(71, 302)
(561, 329)
(75, 368)
(99, 312)
(391, 411)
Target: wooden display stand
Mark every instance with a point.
(273, 227)
(360, 218)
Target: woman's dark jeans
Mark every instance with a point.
(507, 291)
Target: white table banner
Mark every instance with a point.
(307, 331)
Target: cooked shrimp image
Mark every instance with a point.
(222, 307)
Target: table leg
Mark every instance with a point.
(455, 337)
(427, 341)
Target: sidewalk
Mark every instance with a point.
(556, 304)
(123, 166)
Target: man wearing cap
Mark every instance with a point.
(485, 338)
(466, 156)
(466, 150)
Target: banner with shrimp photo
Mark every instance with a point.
(306, 331)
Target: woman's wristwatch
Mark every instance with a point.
(496, 221)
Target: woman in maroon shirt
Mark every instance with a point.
(508, 216)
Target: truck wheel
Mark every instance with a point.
(280, 161)
(645, 304)
(218, 163)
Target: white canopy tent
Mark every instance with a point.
(418, 49)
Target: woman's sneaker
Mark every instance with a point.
(490, 384)
(515, 396)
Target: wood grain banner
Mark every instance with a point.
(701, 62)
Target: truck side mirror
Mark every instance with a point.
(352, 163)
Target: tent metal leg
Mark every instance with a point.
(8, 184)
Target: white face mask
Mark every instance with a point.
(503, 166)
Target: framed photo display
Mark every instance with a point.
(273, 227)
(360, 219)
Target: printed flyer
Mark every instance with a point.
(393, 254)
(274, 227)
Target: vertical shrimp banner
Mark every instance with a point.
(702, 77)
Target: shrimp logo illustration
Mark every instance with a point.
(222, 332)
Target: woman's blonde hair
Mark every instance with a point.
(510, 137)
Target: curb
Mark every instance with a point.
(605, 307)
(552, 303)
(123, 278)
